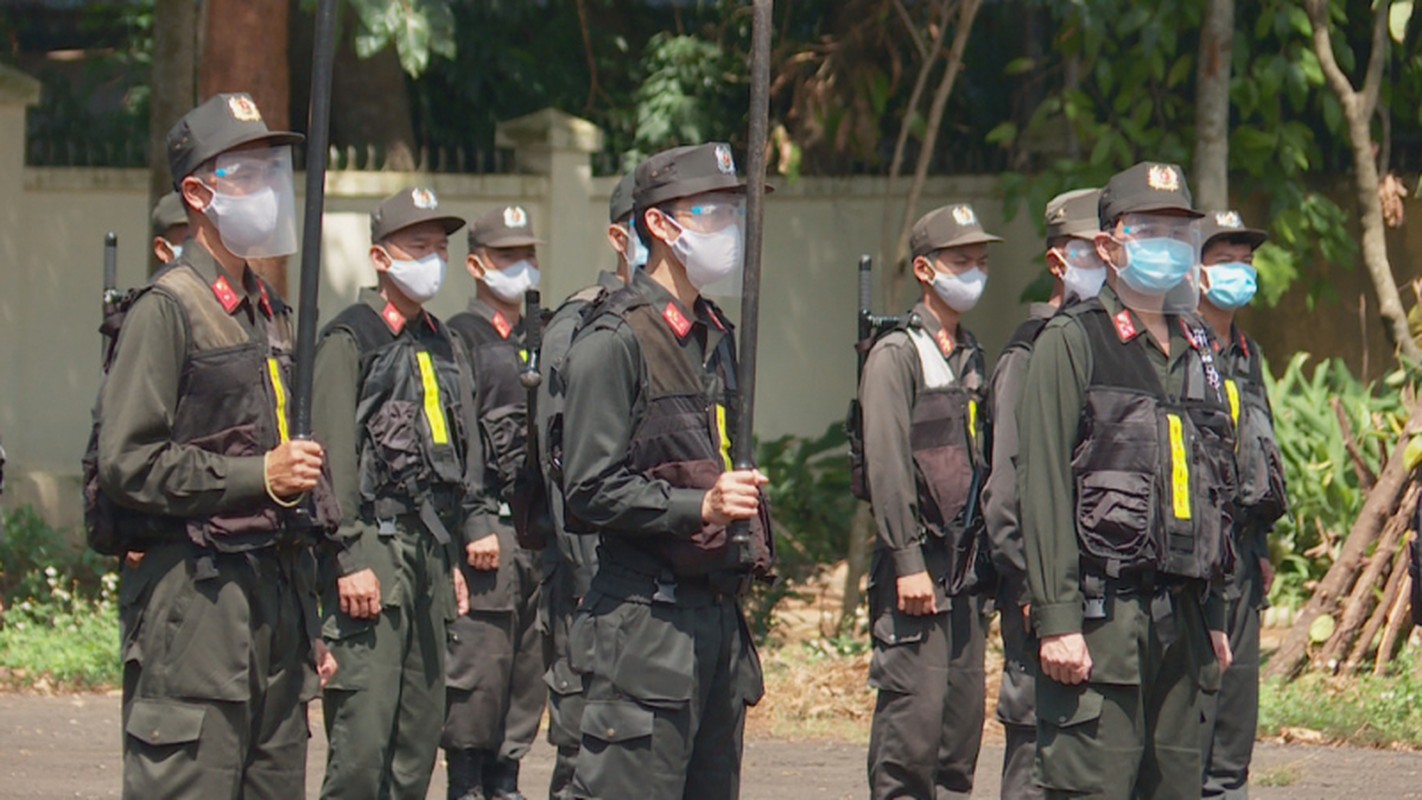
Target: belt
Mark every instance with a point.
(669, 589)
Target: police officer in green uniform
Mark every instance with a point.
(495, 673)
(1077, 274)
(220, 636)
(170, 227)
(1126, 488)
(570, 563)
(660, 640)
(1232, 715)
(394, 408)
(924, 420)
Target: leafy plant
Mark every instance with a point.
(1368, 710)
(1325, 490)
(30, 549)
(417, 28)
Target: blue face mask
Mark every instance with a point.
(637, 258)
(1156, 265)
(1232, 285)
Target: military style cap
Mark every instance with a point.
(1074, 214)
(169, 213)
(620, 206)
(685, 171)
(223, 122)
(409, 207)
(950, 226)
(1228, 225)
(503, 227)
(1148, 187)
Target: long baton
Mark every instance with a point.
(743, 450)
(111, 292)
(318, 129)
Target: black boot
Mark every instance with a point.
(501, 779)
(466, 774)
(561, 787)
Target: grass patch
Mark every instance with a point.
(816, 690)
(1279, 777)
(1365, 710)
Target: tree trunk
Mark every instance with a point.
(967, 13)
(1358, 107)
(244, 49)
(173, 88)
(1377, 510)
(1212, 75)
(370, 104)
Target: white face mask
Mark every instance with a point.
(510, 283)
(244, 220)
(637, 253)
(258, 220)
(420, 279)
(709, 257)
(960, 292)
(1084, 283)
(175, 249)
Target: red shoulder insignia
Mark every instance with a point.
(502, 325)
(223, 291)
(266, 301)
(945, 342)
(1125, 326)
(394, 320)
(677, 320)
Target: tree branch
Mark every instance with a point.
(1372, 79)
(911, 28)
(1323, 48)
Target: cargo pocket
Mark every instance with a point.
(165, 723)
(562, 679)
(351, 642)
(1068, 746)
(617, 722)
(1113, 514)
(647, 654)
(897, 636)
(209, 634)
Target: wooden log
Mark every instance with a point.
(861, 537)
(1364, 643)
(1366, 478)
(1364, 593)
(1399, 621)
(1377, 509)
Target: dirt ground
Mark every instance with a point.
(68, 746)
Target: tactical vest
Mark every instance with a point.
(410, 421)
(502, 402)
(1153, 473)
(1262, 498)
(581, 304)
(683, 440)
(218, 410)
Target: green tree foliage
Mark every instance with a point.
(417, 28)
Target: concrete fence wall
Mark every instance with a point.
(52, 223)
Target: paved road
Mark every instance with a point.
(68, 747)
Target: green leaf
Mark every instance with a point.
(1397, 18)
(1017, 66)
(1004, 134)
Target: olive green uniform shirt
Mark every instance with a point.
(1048, 422)
(140, 466)
(337, 379)
(606, 402)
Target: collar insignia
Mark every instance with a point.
(1125, 326)
(266, 301)
(502, 325)
(680, 325)
(228, 298)
(945, 342)
(394, 320)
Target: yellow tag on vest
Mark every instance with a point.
(1179, 468)
(279, 392)
(1232, 389)
(434, 410)
(973, 420)
(725, 440)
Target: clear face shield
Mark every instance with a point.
(1158, 263)
(254, 202)
(1084, 272)
(712, 244)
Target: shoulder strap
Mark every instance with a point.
(1026, 334)
(364, 325)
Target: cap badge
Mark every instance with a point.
(423, 198)
(724, 162)
(1163, 178)
(243, 109)
(1228, 219)
(1058, 215)
(964, 216)
(514, 217)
